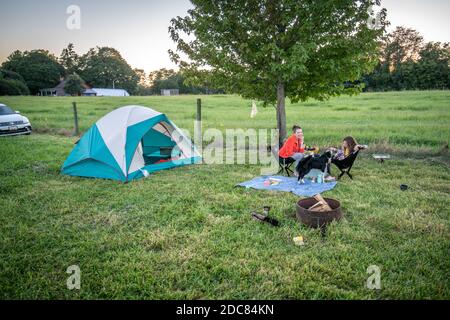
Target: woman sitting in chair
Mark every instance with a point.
(345, 157)
(349, 146)
(294, 146)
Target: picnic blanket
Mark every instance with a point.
(287, 184)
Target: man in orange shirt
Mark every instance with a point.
(294, 146)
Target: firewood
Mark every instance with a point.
(323, 204)
(315, 206)
(320, 208)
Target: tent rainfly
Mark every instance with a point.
(129, 143)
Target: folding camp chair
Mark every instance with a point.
(345, 165)
(285, 165)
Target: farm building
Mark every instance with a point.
(58, 91)
(89, 93)
(104, 92)
(170, 92)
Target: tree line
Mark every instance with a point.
(405, 62)
(25, 73)
(40, 69)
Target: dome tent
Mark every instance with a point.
(129, 143)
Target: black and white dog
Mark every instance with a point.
(322, 162)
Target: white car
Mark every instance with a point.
(12, 122)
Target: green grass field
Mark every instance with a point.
(186, 233)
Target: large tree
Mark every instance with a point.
(104, 67)
(39, 68)
(70, 60)
(269, 50)
(171, 79)
(163, 79)
(401, 45)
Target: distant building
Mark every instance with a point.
(104, 92)
(170, 92)
(58, 91)
(89, 93)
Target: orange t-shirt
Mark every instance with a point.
(291, 146)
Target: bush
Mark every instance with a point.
(13, 88)
(11, 75)
(12, 84)
(74, 85)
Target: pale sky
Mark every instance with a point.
(139, 28)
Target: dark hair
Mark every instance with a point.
(295, 128)
(351, 143)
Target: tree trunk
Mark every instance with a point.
(281, 113)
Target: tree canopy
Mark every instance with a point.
(171, 79)
(407, 63)
(70, 60)
(104, 67)
(403, 62)
(270, 50)
(39, 68)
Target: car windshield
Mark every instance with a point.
(4, 110)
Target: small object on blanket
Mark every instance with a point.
(298, 241)
(320, 178)
(262, 218)
(274, 181)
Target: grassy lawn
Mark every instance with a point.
(186, 233)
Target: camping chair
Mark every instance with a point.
(285, 165)
(345, 165)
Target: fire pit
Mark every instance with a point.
(317, 219)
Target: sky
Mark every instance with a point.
(139, 28)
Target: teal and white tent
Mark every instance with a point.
(129, 143)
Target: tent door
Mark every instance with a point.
(157, 144)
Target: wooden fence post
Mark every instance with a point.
(75, 118)
(198, 141)
(199, 109)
